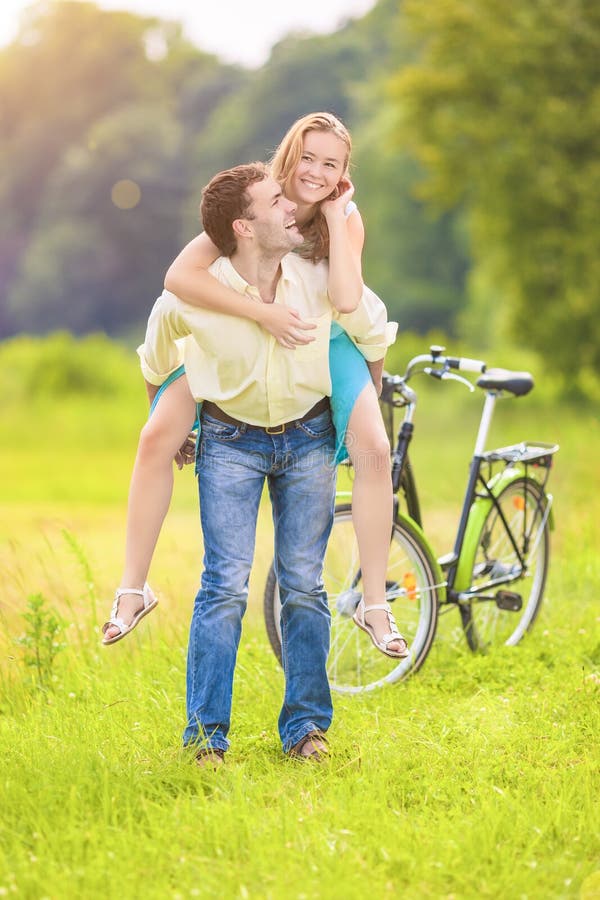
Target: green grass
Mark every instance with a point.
(477, 778)
(479, 784)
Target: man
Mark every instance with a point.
(265, 415)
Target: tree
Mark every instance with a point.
(93, 98)
(89, 95)
(302, 75)
(415, 260)
(70, 65)
(502, 108)
(108, 226)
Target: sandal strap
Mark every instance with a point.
(115, 620)
(120, 591)
(393, 634)
(384, 606)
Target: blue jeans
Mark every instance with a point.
(233, 462)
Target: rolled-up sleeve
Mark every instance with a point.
(368, 326)
(160, 354)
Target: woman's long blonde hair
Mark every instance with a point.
(284, 163)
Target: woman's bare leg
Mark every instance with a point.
(151, 488)
(372, 503)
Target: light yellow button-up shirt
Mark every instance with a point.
(240, 366)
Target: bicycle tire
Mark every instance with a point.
(354, 664)
(524, 504)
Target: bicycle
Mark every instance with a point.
(496, 573)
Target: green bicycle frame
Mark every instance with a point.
(478, 513)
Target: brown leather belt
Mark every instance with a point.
(211, 409)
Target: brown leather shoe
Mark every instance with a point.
(210, 758)
(313, 746)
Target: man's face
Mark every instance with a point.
(274, 223)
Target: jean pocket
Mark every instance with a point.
(220, 431)
(318, 427)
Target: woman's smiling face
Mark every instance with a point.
(322, 164)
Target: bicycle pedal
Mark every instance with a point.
(347, 602)
(444, 562)
(509, 601)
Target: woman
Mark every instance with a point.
(311, 165)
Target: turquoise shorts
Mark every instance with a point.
(349, 375)
(172, 377)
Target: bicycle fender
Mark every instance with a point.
(477, 516)
(440, 578)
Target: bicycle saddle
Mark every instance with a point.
(517, 383)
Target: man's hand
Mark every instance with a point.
(187, 452)
(285, 325)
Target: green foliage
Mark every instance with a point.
(415, 261)
(85, 568)
(90, 99)
(40, 642)
(59, 366)
(311, 73)
(104, 259)
(114, 96)
(497, 103)
(477, 778)
(503, 110)
(57, 79)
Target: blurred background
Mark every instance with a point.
(476, 132)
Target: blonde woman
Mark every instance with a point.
(312, 166)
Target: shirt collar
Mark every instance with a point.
(289, 272)
(233, 277)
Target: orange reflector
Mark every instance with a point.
(519, 503)
(410, 585)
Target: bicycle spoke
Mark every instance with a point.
(497, 565)
(339, 644)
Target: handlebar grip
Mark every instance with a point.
(464, 364)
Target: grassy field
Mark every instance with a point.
(477, 778)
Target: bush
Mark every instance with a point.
(60, 365)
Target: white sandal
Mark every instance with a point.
(389, 638)
(150, 602)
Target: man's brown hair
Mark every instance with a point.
(225, 199)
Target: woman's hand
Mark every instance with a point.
(285, 325)
(336, 206)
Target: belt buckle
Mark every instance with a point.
(275, 429)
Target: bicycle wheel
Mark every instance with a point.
(412, 590)
(525, 508)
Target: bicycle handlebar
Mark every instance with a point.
(443, 363)
(464, 364)
(444, 375)
(434, 364)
